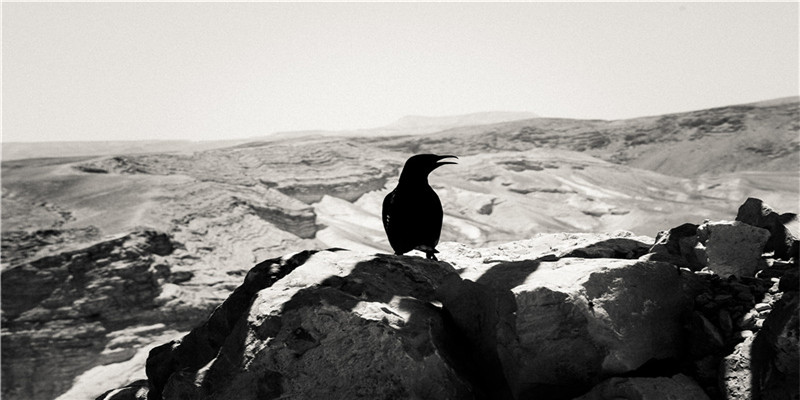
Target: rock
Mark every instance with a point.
(706, 338)
(733, 248)
(679, 246)
(134, 391)
(736, 372)
(790, 281)
(777, 367)
(661, 388)
(725, 322)
(781, 240)
(284, 212)
(317, 325)
(765, 366)
(558, 328)
(60, 313)
(763, 307)
(623, 248)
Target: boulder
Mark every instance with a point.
(678, 387)
(555, 329)
(320, 324)
(781, 240)
(733, 248)
(679, 246)
(777, 367)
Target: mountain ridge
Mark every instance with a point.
(406, 125)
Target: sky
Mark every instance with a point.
(207, 71)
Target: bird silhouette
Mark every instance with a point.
(412, 212)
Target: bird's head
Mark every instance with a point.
(419, 166)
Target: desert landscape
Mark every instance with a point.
(112, 249)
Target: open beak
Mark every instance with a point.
(439, 163)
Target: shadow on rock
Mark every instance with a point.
(336, 327)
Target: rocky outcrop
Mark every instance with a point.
(725, 248)
(317, 325)
(60, 313)
(781, 240)
(558, 328)
(284, 212)
(19, 246)
(532, 319)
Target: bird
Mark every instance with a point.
(412, 212)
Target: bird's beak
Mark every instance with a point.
(439, 163)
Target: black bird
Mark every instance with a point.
(412, 212)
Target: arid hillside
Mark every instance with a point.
(220, 210)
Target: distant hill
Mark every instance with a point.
(415, 124)
(409, 125)
(418, 125)
(763, 136)
(26, 150)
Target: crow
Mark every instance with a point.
(412, 212)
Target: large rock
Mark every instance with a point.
(679, 246)
(316, 325)
(778, 366)
(733, 248)
(554, 329)
(678, 387)
(781, 240)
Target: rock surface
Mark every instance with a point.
(733, 248)
(557, 328)
(777, 367)
(315, 325)
(679, 246)
(678, 387)
(521, 320)
(723, 247)
(781, 240)
(65, 314)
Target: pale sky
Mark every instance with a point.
(129, 71)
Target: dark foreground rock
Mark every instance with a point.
(677, 387)
(777, 366)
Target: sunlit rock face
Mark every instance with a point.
(558, 327)
(318, 324)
